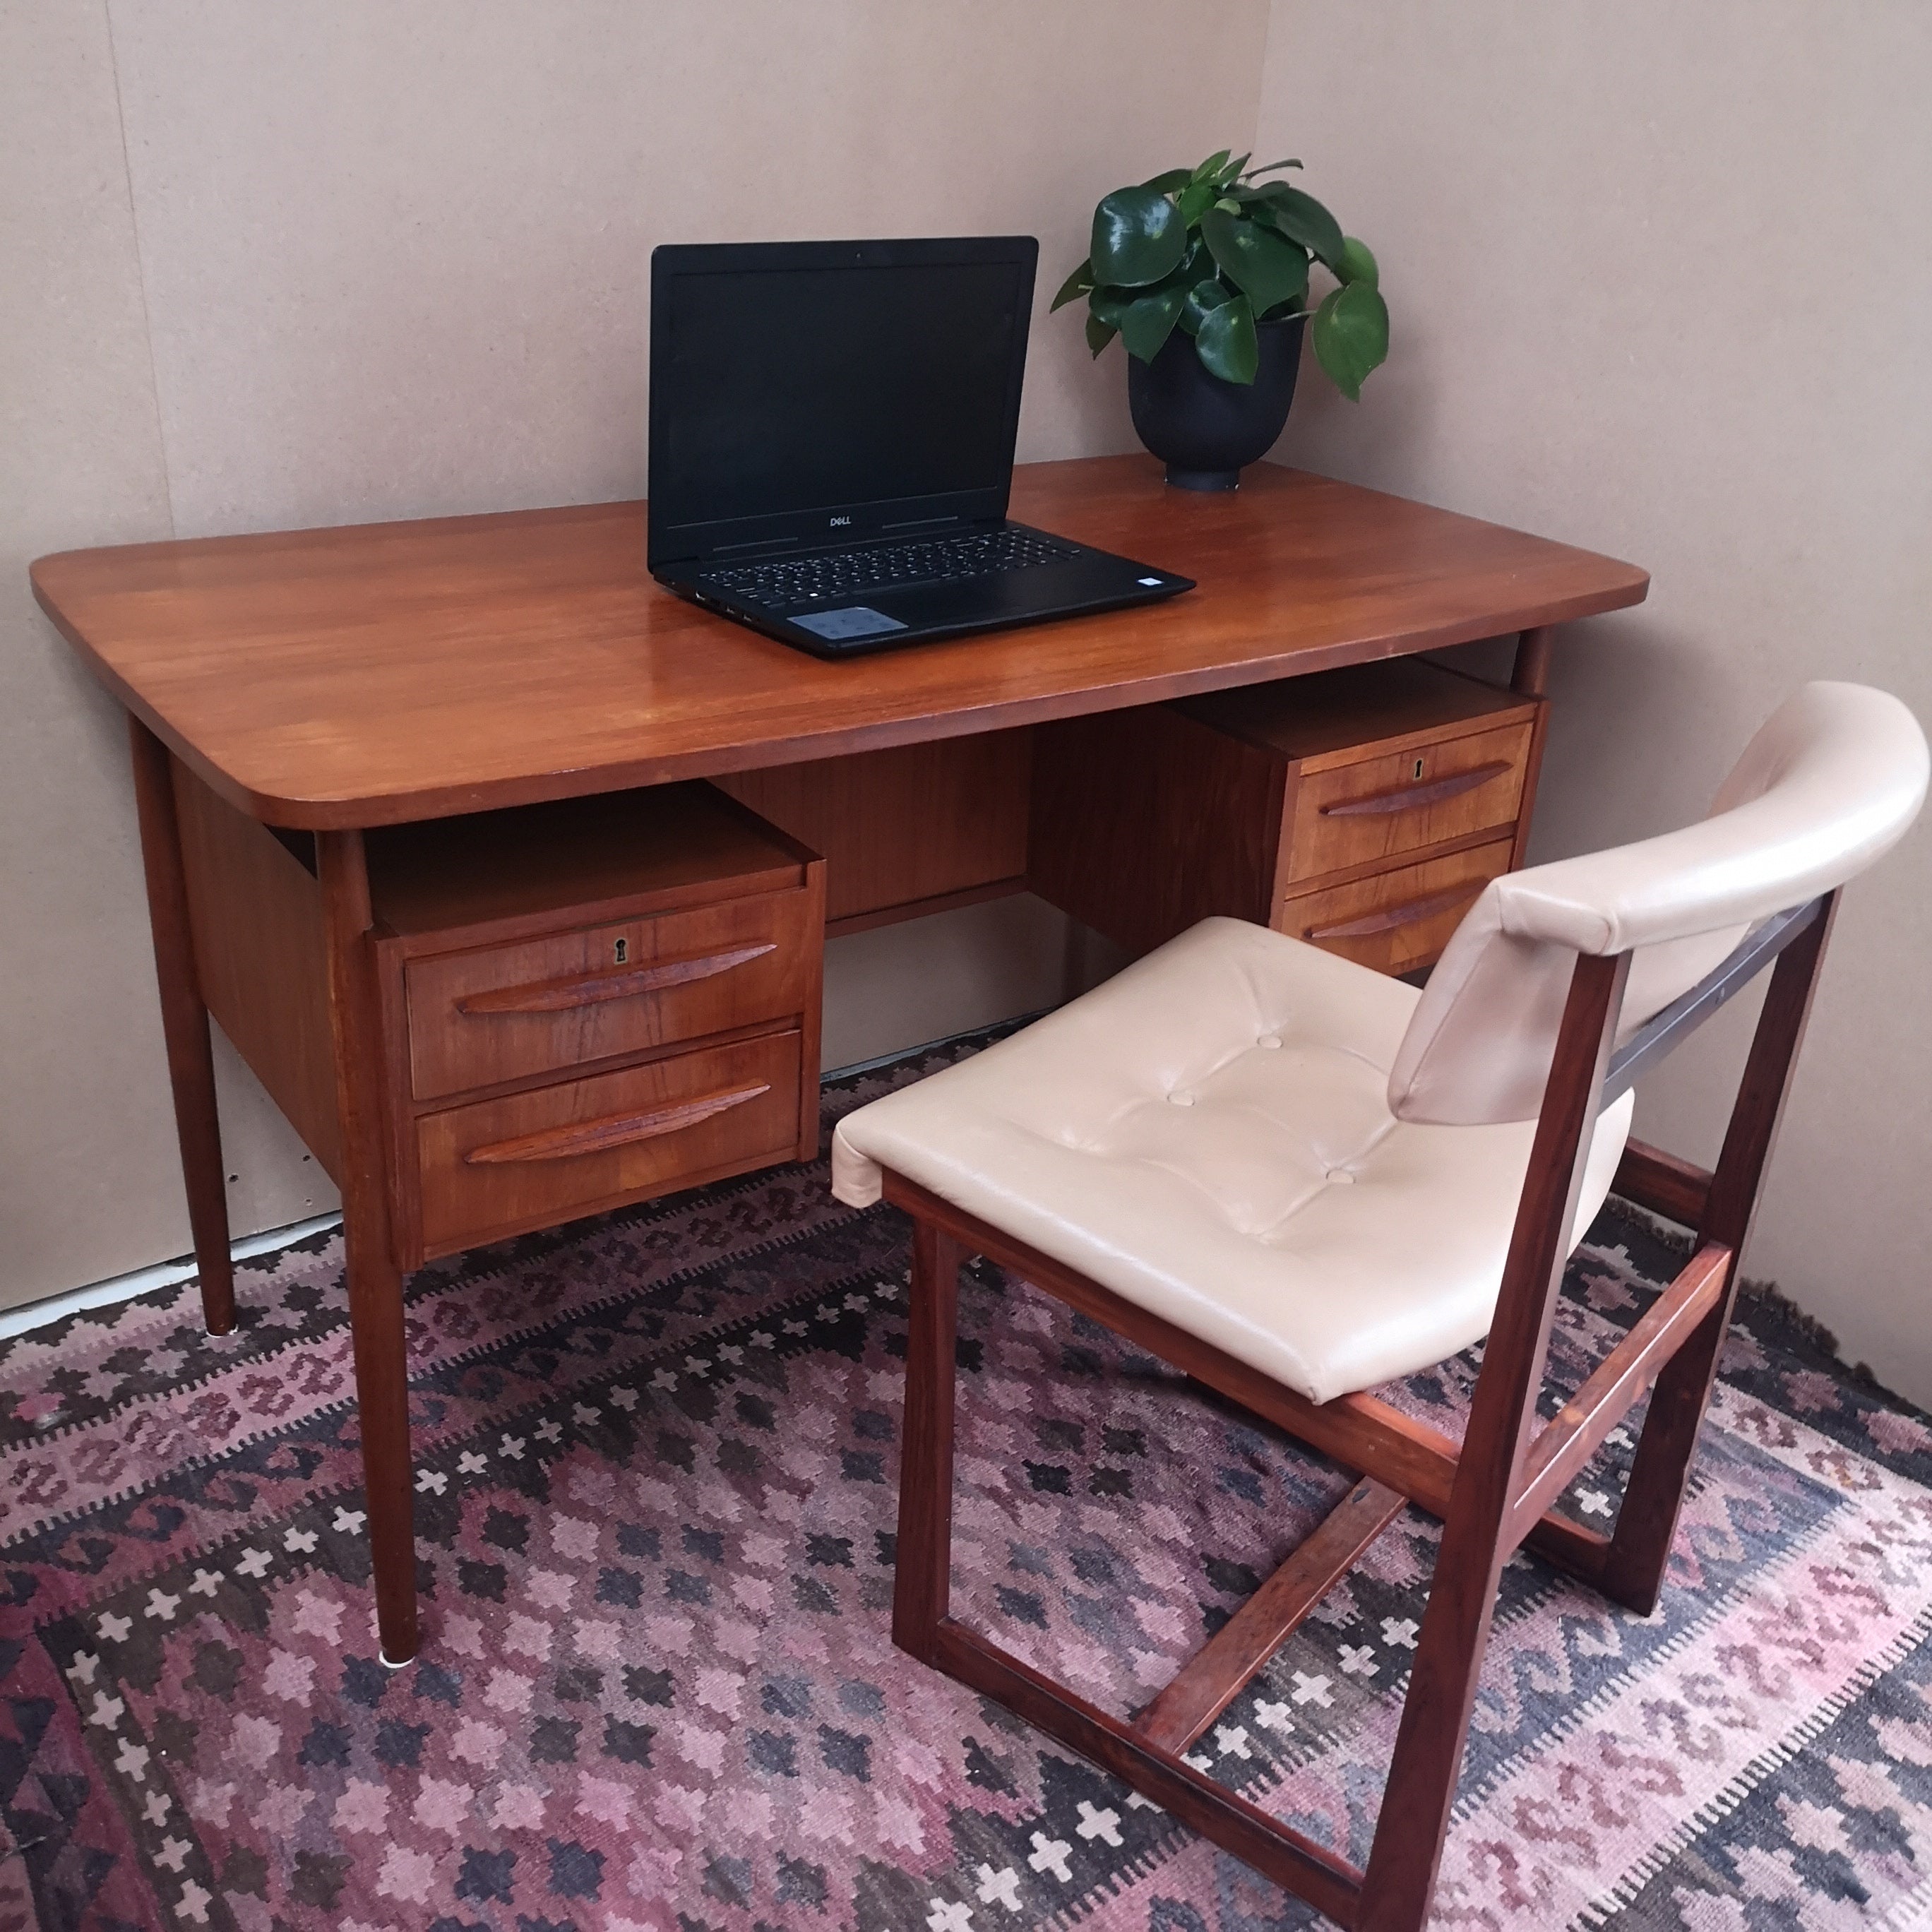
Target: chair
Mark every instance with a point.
(1295, 1180)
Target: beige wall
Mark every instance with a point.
(1661, 280)
(269, 266)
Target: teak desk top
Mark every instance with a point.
(391, 672)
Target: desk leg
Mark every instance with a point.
(1530, 676)
(184, 1026)
(375, 1282)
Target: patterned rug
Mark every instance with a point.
(657, 1462)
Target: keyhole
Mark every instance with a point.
(621, 951)
(1418, 773)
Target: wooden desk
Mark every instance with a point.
(335, 681)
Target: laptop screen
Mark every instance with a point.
(878, 389)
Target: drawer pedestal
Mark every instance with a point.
(1362, 810)
(580, 1005)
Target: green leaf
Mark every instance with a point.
(1203, 298)
(1232, 170)
(1226, 341)
(1099, 333)
(1256, 174)
(1076, 285)
(1109, 305)
(1138, 237)
(1302, 218)
(1357, 264)
(1350, 334)
(1211, 166)
(1267, 269)
(1171, 182)
(1194, 200)
(1147, 321)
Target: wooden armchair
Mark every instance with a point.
(1295, 1181)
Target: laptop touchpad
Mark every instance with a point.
(854, 620)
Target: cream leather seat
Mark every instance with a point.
(1316, 1169)
(1209, 1135)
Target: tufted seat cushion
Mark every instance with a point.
(1208, 1135)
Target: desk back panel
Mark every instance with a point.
(914, 830)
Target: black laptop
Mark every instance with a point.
(831, 444)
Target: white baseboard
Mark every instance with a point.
(163, 1274)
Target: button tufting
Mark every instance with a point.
(1340, 1176)
(1180, 1097)
(1269, 1039)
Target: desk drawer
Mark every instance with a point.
(1355, 814)
(533, 1159)
(1398, 920)
(505, 1012)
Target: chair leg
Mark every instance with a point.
(1400, 1880)
(922, 1570)
(1633, 1572)
(921, 1627)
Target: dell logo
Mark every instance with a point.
(841, 523)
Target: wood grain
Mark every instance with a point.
(486, 877)
(1324, 720)
(1145, 821)
(390, 673)
(472, 1191)
(1214, 1676)
(923, 1560)
(489, 1015)
(596, 988)
(612, 1130)
(1478, 1534)
(375, 1281)
(904, 828)
(1237, 1824)
(1390, 804)
(183, 1025)
(1530, 676)
(1663, 1182)
(261, 959)
(1396, 920)
(1660, 1471)
(1573, 1435)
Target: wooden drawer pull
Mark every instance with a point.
(1387, 919)
(614, 1130)
(1409, 797)
(590, 989)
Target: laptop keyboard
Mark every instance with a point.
(850, 573)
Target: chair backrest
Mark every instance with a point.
(1832, 780)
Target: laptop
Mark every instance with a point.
(832, 428)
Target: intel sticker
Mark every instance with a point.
(854, 621)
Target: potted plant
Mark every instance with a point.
(1203, 274)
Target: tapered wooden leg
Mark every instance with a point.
(375, 1282)
(1633, 1572)
(1530, 673)
(1401, 1876)
(923, 1573)
(184, 1027)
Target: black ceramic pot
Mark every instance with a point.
(1204, 429)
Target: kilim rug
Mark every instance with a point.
(655, 1503)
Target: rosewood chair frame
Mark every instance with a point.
(1493, 1495)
